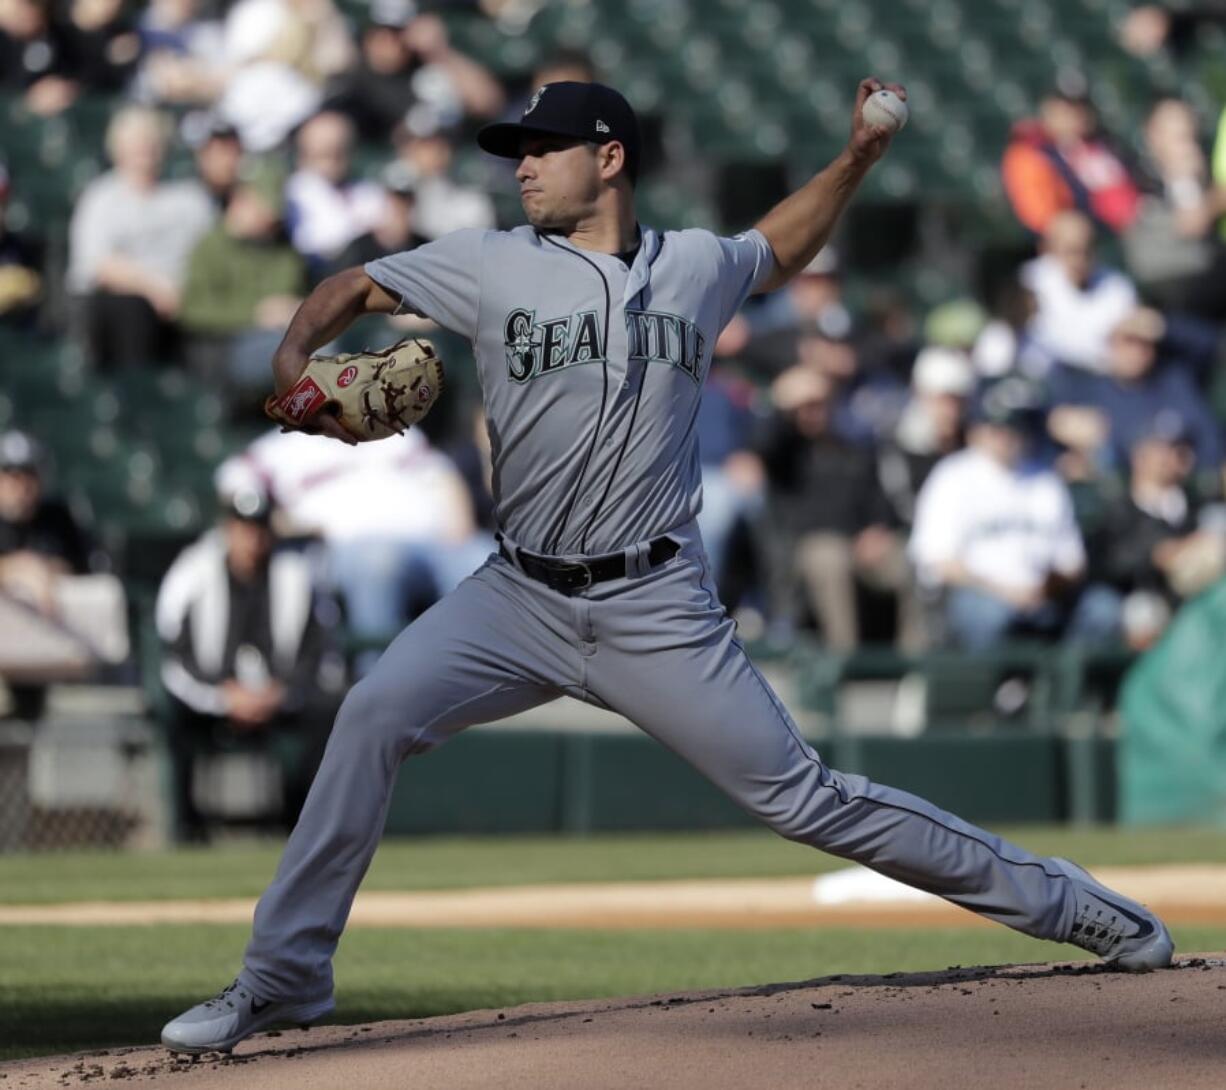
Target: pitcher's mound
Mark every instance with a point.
(1010, 1027)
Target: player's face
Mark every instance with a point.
(247, 546)
(559, 181)
(20, 491)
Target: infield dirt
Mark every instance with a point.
(1185, 894)
(1010, 1028)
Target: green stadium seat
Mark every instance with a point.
(1010, 686)
(968, 692)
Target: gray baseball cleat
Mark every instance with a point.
(1120, 931)
(218, 1024)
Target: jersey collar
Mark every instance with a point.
(640, 271)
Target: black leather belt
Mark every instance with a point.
(570, 576)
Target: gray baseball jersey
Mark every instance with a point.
(590, 371)
(591, 375)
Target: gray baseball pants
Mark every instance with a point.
(659, 649)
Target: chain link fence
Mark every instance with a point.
(88, 774)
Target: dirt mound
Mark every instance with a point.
(1008, 1027)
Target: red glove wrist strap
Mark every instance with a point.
(302, 399)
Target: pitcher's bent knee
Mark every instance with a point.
(800, 811)
(370, 716)
(796, 823)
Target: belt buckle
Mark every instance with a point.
(572, 567)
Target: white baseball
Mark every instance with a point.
(885, 110)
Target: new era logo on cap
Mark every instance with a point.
(601, 126)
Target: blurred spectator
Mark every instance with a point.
(773, 323)
(1173, 249)
(245, 654)
(330, 47)
(244, 282)
(956, 323)
(21, 282)
(129, 241)
(1059, 162)
(378, 91)
(446, 78)
(269, 91)
(1007, 343)
(219, 155)
(443, 204)
(932, 426)
(183, 54)
(395, 519)
(1104, 416)
(408, 70)
(733, 481)
(868, 396)
(561, 66)
(830, 513)
(39, 538)
(1158, 546)
(315, 38)
(34, 59)
(102, 44)
(326, 207)
(56, 621)
(1149, 27)
(395, 230)
(889, 336)
(995, 535)
(1078, 302)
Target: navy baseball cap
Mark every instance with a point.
(583, 111)
(1009, 402)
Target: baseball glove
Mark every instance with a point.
(373, 394)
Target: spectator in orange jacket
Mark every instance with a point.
(1059, 161)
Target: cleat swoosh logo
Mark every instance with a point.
(257, 1007)
(1145, 926)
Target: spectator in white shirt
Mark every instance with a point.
(270, 88)
(395, 519)
(1078, 302)
(129, 241)
(997, 536)
(327, 208)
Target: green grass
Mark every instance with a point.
(69, 988)
(72, 988)
(457, 863)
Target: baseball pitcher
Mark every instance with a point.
(592, 335)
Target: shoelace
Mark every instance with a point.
(1096, 930)
(224, 996)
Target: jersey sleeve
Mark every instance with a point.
(440, 280)
(745, 263)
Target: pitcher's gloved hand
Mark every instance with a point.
(372, 394)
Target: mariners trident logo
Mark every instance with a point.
(535, 99)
